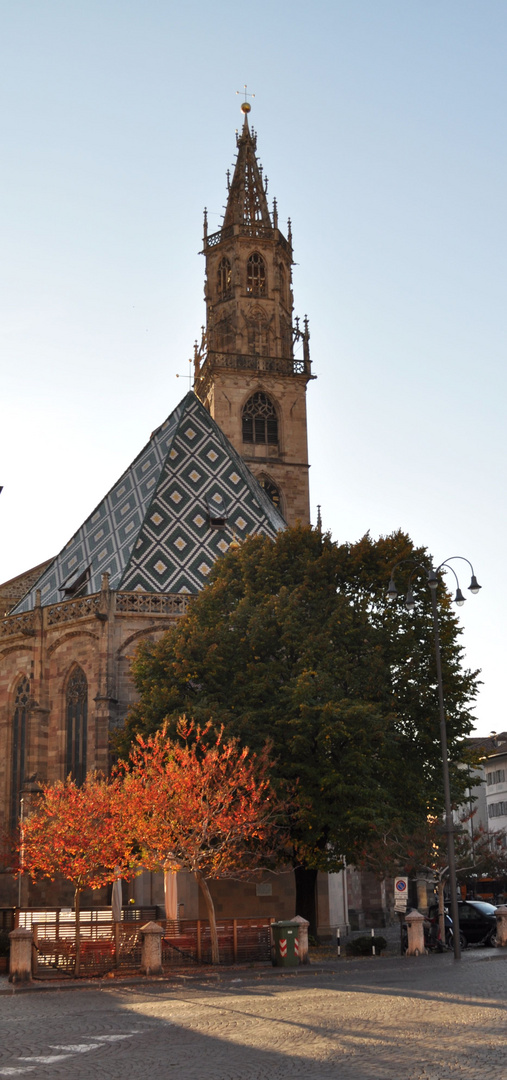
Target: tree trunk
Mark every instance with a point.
(210, 908)
(306, 902)
(77, 908)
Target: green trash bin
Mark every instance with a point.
(286, 944)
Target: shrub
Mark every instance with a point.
(362, 946)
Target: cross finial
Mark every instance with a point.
(189, 376)
(245, 105)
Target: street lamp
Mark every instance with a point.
(474, 587)
(30, 788)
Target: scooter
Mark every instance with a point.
(432, 936)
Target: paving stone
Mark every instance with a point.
(424, 1018)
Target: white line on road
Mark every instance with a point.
(10, 1071)
(45, 1059)
(76, 1048)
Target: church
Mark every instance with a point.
(231, 460)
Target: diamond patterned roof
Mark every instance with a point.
(152, 531)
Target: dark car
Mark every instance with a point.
(477, 922)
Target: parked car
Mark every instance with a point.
(477, 922)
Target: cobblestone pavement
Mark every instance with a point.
(423, 1018)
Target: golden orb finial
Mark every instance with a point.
(245, 105)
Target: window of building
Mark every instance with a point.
(19, 734)
(256, 275)
(498, 809)
(224, 279)
(77, 719)
(496, 777)
(75, 585)
(271, 490)
(259, 420)
(218, 511)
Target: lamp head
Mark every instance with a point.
(432, 579)
(459, 599)
(474, 586)
(409, 601)
(392, 591)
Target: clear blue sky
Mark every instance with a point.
(381, 127)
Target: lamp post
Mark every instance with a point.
(30, 788)
(21, 847)
(392, 592)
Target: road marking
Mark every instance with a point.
(45, 1059)
(76, 1048)
(113, 1038)
(69, 1048)
(14, 1072)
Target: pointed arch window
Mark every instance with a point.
(19, 740)
(259, 420)
(224, 279)
(256, 275)
(77, 722)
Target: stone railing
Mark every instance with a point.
(255, 230)
(152, 603)
(271, 365)
(18, 624)
(85, 607)
(80, 608)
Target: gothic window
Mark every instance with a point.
(77, 715)
(256, 275)
(271, 490)
(259, 420)
(19, 733)
(224, 279)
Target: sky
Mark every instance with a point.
(381, 128)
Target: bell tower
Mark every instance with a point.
(253, 364)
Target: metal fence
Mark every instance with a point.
(108, 946)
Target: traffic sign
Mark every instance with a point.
(400, 893)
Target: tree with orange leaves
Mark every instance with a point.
(81, 833)
(201, 804)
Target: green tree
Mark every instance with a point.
(293, 642)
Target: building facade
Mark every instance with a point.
(128, 573)
(230, 461)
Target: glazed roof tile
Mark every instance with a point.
(152, 532)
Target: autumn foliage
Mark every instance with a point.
(201, 804)
(80, 833)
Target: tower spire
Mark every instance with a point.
(247, 203)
